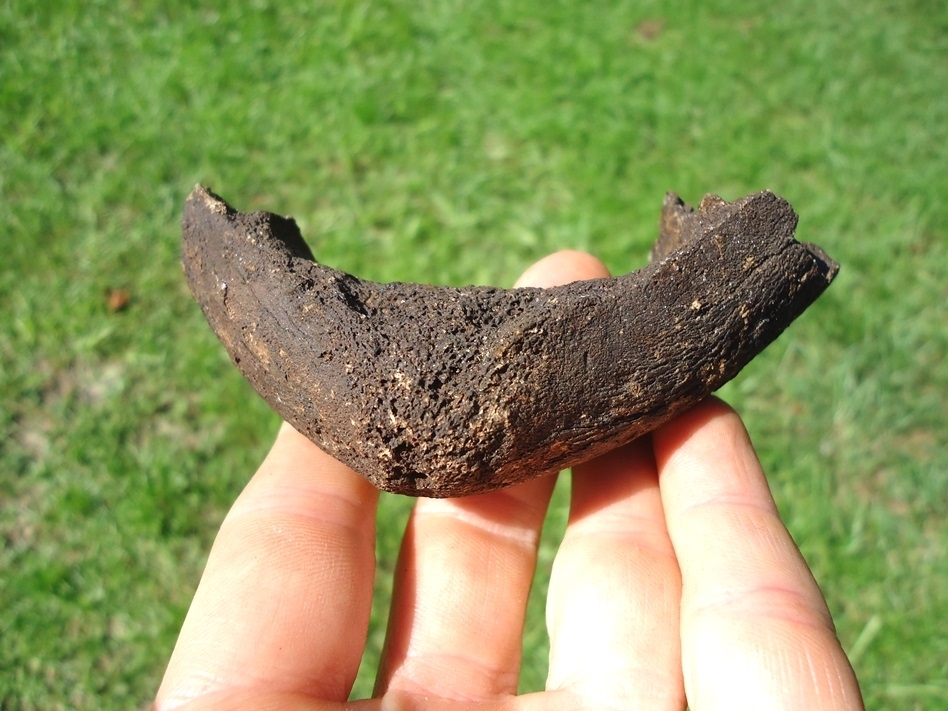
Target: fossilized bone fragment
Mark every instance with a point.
(440, 391)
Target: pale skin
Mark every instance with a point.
(676, 584)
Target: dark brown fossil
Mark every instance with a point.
(440, 391)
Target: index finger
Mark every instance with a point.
(285, 598)
(756, 632)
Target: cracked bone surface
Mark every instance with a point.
(442, 391)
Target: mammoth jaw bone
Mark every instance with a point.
(441, 391)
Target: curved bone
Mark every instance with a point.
(440, 391)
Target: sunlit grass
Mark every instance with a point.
(451, 143)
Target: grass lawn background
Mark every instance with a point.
(453, 143)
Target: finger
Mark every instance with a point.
(756, 632)
(465, 570)
(285, 598)
(613, 604)
(562, 267)
(612, 609)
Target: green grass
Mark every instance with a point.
(454, 143)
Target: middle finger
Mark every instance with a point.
(614, 593)
(461, 588)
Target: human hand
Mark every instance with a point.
(676, 582)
